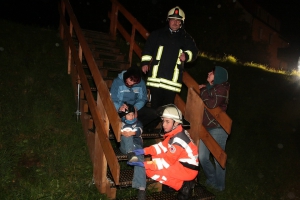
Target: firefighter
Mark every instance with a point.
(175, 159)
(163, 58)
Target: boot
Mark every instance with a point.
(185, 191)
(141, 195)
(167, 189)
(132, 157)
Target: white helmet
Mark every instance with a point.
(172, 112)
(176, 13)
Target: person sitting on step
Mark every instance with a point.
(175, 159)
(131, 139)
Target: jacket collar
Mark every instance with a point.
(178, 129)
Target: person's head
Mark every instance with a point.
(132, 76)
(176, 18)
(217, 75)
(129, 114)
(171, 118)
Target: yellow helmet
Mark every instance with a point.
(176, 13)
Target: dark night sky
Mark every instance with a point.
(288, 12)
(44, 12)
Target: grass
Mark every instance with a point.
(42, 148)
(43, 151)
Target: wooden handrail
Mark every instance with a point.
(224, 120)
(100, 85)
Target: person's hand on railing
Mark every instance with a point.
(201, 86)
(139, 152)
(145, 68)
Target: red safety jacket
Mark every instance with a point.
(174, 160)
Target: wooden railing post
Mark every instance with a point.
(114, 19)
(132, 42)
(69, 53)
(194, 110)
(61, 27)
(101, 87)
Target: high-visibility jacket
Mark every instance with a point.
(162, 51)
(174, 160)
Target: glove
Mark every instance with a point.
(140, 164)
(139, 152)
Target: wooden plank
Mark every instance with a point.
(221, 116)
(213, 146)
(111, 192)
(100, 162)
(100, 166)
(89, 137)
(179, 103)
(194, 114)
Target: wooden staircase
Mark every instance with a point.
(114, 63)
(94, 60)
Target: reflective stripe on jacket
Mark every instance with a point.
(162, 51)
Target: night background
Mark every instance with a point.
(203, 19)
(43, 150)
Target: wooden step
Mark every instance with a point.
(112, 49)
(112, 64)
(104, 70)
(154, 135)
(96, 47)
(90, 77)
(126, 176)
(99, 44)
(96, 34)
(108, 55)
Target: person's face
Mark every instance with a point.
(168, 124)
(174, 24)
(129, 116)
(210, 77)
(129, 82)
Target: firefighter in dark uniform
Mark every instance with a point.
(163, 57)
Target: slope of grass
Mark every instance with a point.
(42, 148)
(43, 151)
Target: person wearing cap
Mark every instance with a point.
(163, 57)
(129, 87)
(131, 139)
(214, 94)
(175, 159)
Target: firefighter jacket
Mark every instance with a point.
(174, 160)
(161, 53)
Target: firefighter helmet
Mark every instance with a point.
(172, 112)
(176, 13)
